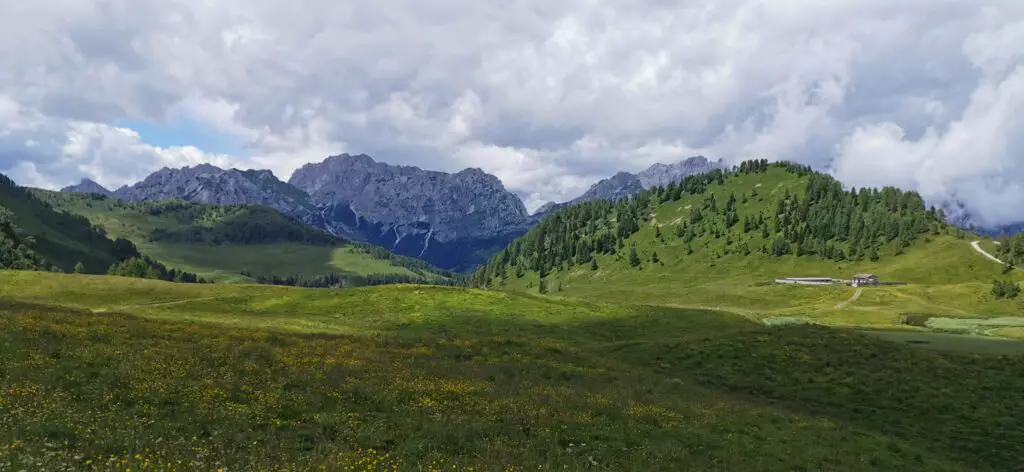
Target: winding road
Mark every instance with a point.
(977, 247)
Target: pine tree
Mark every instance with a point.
(593, 263)
(79, 268)
(654, 257)
(634, 258)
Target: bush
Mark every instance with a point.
(1005, 289)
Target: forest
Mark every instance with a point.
(826, 221)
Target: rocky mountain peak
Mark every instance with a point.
(87, 186)
(622, 184)
(206, 183)
(546, 208)
(663, 174)
(469, 203)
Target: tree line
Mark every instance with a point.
(146, 268)
(335, 280)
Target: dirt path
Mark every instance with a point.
(852, 299)
(150, 305)
(977, 247)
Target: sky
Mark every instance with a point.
(549, 96)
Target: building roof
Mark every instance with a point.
(865, 276)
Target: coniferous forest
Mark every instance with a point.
(825, 221)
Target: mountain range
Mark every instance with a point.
(451, 220)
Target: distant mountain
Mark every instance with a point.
(87, 186)
(663, 174)
(209, 184)
(451, 220)
(622, 184)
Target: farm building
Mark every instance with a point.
(860, 280)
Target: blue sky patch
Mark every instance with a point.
(184, 132)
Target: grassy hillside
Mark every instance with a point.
(222, 242)
(711, 253)
(54, 238)
(104, 373)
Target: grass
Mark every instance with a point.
(224, 263)
(102, 373)
(218, 262)
(953, 342)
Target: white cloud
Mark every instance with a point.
(546, 95)
(978, 157)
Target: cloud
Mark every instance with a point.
(549, 96)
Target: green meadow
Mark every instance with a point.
(107, 373)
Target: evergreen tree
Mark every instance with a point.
(79, 268)
(1005, 289)
(634, 258)
(654, 257)
(593, 263)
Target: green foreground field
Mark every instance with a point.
(104, 373)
